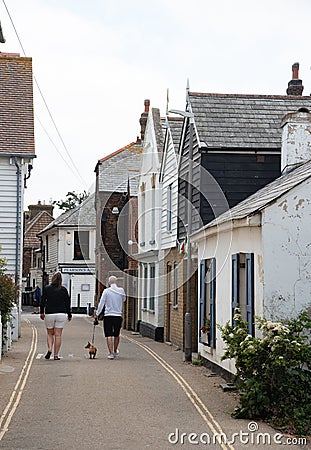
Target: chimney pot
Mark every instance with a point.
(295, 86)
(143, 119)
(147, 104)
(295, 69)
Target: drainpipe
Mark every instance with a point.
(17, 240)
(18, 189)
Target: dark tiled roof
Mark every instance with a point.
(176, 125)
(16, 106)
(265, 196)
(242, 121)
(38, 223)
(81, 215)
(119, 169)
(158, 129)
(117, 152)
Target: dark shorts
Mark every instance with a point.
(112, 325)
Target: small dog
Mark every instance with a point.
(92, 350)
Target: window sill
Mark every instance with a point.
(207, 348)
(81, 259)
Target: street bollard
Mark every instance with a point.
(0, 336)
(14, 324)
(7, 337)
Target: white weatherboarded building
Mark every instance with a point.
(257, 255)
(17, 150)
(173, 260)
(150, 257)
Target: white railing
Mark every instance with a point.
(9, 334)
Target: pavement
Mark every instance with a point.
(149, 397)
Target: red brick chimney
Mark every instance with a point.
(143, 119)
(36, 209)
(295, 86)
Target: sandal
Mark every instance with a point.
(56, 358)
(48, 355)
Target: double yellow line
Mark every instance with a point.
(16, 395)
(204, 412)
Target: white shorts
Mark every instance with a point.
(56, 320)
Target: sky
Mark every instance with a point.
(96, 61)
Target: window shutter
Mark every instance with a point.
(213, 303)
(202, 291)
(249, 267)
(235, 284)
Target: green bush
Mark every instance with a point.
(273, 372)
(8, 293)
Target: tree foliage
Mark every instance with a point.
(8, 293)
(72, 200)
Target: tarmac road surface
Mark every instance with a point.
(147, 398)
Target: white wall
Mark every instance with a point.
(169, 177)
(66, 245)
(287, 253)
(156, 317)
(222, 246)
(8, 212)
(77, 281)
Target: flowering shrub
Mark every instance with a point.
(206, 325)
(273, 371)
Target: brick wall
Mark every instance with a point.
(176, 328)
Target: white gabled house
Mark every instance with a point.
(257, 255)
(68, 246)
(151, 310)
(17, 151)
(169, 183)
(173, 259)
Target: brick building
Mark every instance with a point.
(35, 220)
(116, 216)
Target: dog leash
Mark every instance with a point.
(93, 337)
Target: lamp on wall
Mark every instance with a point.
(68, 239)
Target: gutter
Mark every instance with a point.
(228, 226)
(18, 155)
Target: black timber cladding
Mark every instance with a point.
(238, 176)
(240, 146)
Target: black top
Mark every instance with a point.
(55, 300)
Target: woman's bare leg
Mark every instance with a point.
(50, 339)
(58, 341)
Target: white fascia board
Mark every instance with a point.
(205, 232)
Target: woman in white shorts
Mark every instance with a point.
(54, 310)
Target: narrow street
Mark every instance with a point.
(147, 398)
